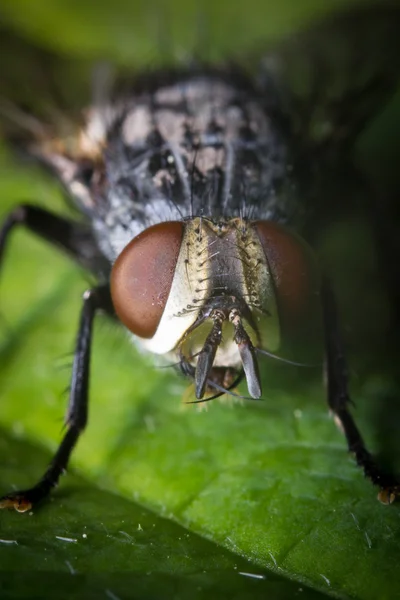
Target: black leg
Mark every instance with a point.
(94, 300)
(71, 236)
(339, 400)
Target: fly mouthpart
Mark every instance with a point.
(246, 349)
(217, 374)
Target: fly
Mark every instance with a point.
(189, 183)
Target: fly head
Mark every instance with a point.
(212, 294)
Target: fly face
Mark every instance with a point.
(208, 293)
(186, 182)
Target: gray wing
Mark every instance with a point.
(43, 101)
(38, 89)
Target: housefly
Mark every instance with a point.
(194, 186)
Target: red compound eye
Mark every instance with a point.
(142, 276)
(293, 268)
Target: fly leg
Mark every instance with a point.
(73, 237)
(77, 240)
(94, 300)
(339, 400)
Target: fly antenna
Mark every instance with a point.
(207, 354)
(247, 354)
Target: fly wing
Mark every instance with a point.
(42, 104)
(41, 94)
(45, 103)
(337, 75)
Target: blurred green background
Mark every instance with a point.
(235, 501)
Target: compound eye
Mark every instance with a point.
(142, 276)
(293, 269)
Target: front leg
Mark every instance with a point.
(94, 300)
(73, 237)
(339, 400)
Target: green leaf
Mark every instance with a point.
(141, 32)
(92, 543)
(269, 481)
